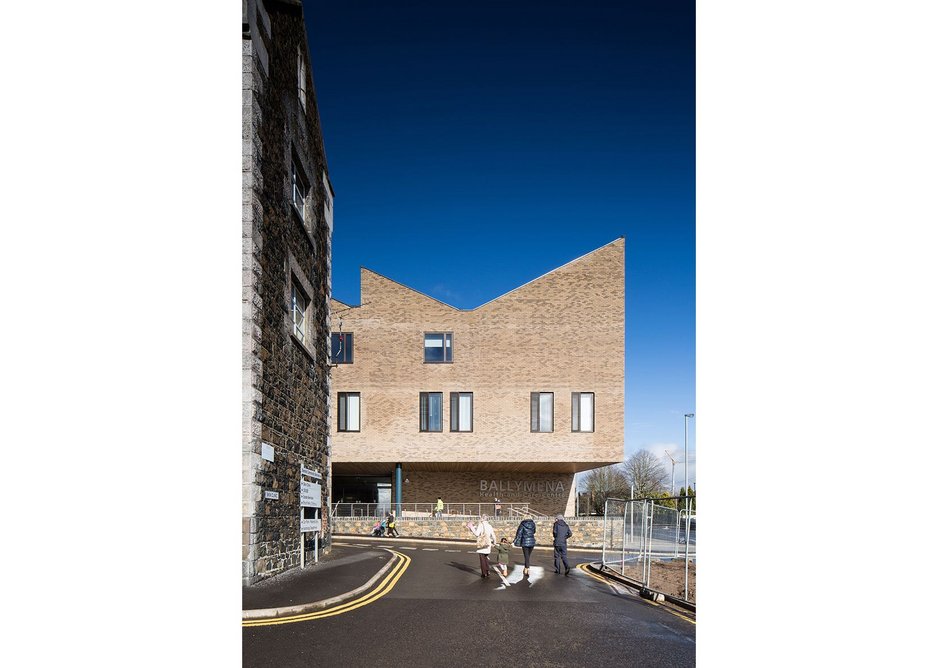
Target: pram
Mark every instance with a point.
(378, 529)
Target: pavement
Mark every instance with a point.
(342, 574)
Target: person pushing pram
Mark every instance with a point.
(378, 529)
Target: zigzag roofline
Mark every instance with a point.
(467, 310)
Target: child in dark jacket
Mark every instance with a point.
(501, 556)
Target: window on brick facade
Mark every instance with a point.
(301, 78)
(582, 409)
(350, 404)
(431, 411)
(300, 308)
(343, 347)
(542, 411)
(438, 347)
(460, 411)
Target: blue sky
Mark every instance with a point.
(476, 146)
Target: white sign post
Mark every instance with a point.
(310, 497)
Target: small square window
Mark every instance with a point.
(438, 347)
(343, 347)
(582, 408)
(542, 411)
(300, 307)
(350, 404)
(431, 411)
(460, 411)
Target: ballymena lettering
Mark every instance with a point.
(506, 486)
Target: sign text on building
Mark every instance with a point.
(310, 494)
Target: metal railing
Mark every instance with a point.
(454, 511)
(653, 543)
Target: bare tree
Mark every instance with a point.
(646, 473)
(603, 483)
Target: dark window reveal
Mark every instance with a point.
(343, 346)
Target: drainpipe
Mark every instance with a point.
(397, 488)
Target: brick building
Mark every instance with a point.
(505, 400)
(286, 250)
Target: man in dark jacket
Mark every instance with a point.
(561, 534)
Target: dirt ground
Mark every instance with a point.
(668, 578)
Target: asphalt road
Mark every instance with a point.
(442, 613)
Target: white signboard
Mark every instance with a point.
(267, 452)
(271, 495)
(310, 525)
(310, 494)
(311, 473)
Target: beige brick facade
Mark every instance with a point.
(562, 333)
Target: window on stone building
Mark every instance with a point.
(460, 411)
(582, 411)
(300, 190)
(431, 411)
(350, 404)
(438, 347)
(300, 307)
(542, 411)
(343, 347)
(301, 78)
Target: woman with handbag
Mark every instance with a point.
(524, 538)
(485, 538)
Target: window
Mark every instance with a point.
(300, 190)
(301, 78)
(542, 411)
(460, 411)
(582, 408)
(350, 404)
(438, 347)
(343, 346)
(431, 411)
(299, 306)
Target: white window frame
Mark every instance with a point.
(300, 316)
(301, 78)
(300, 190)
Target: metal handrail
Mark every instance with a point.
(428, 510)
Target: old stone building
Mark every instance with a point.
(507, 400)
(287, 236)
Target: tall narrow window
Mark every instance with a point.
(350, 404)
(542, 411)
(301, 78)
(431, 411)
(299, 305)
(460, 411)
(438, 347)
(582, 408)
(343, 347)
(300, 190)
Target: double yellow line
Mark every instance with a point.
(386, 585)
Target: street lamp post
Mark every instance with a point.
(686, 490)
(686, 507)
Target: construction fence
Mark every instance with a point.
(653, 542)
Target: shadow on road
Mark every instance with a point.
(463, 567)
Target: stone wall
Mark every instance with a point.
(586, 532)
(286, 381)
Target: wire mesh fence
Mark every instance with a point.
(653, 542)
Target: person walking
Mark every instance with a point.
(392, 526)
(561, 534)
(439, 507)
(485, 538)
(524, 538)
